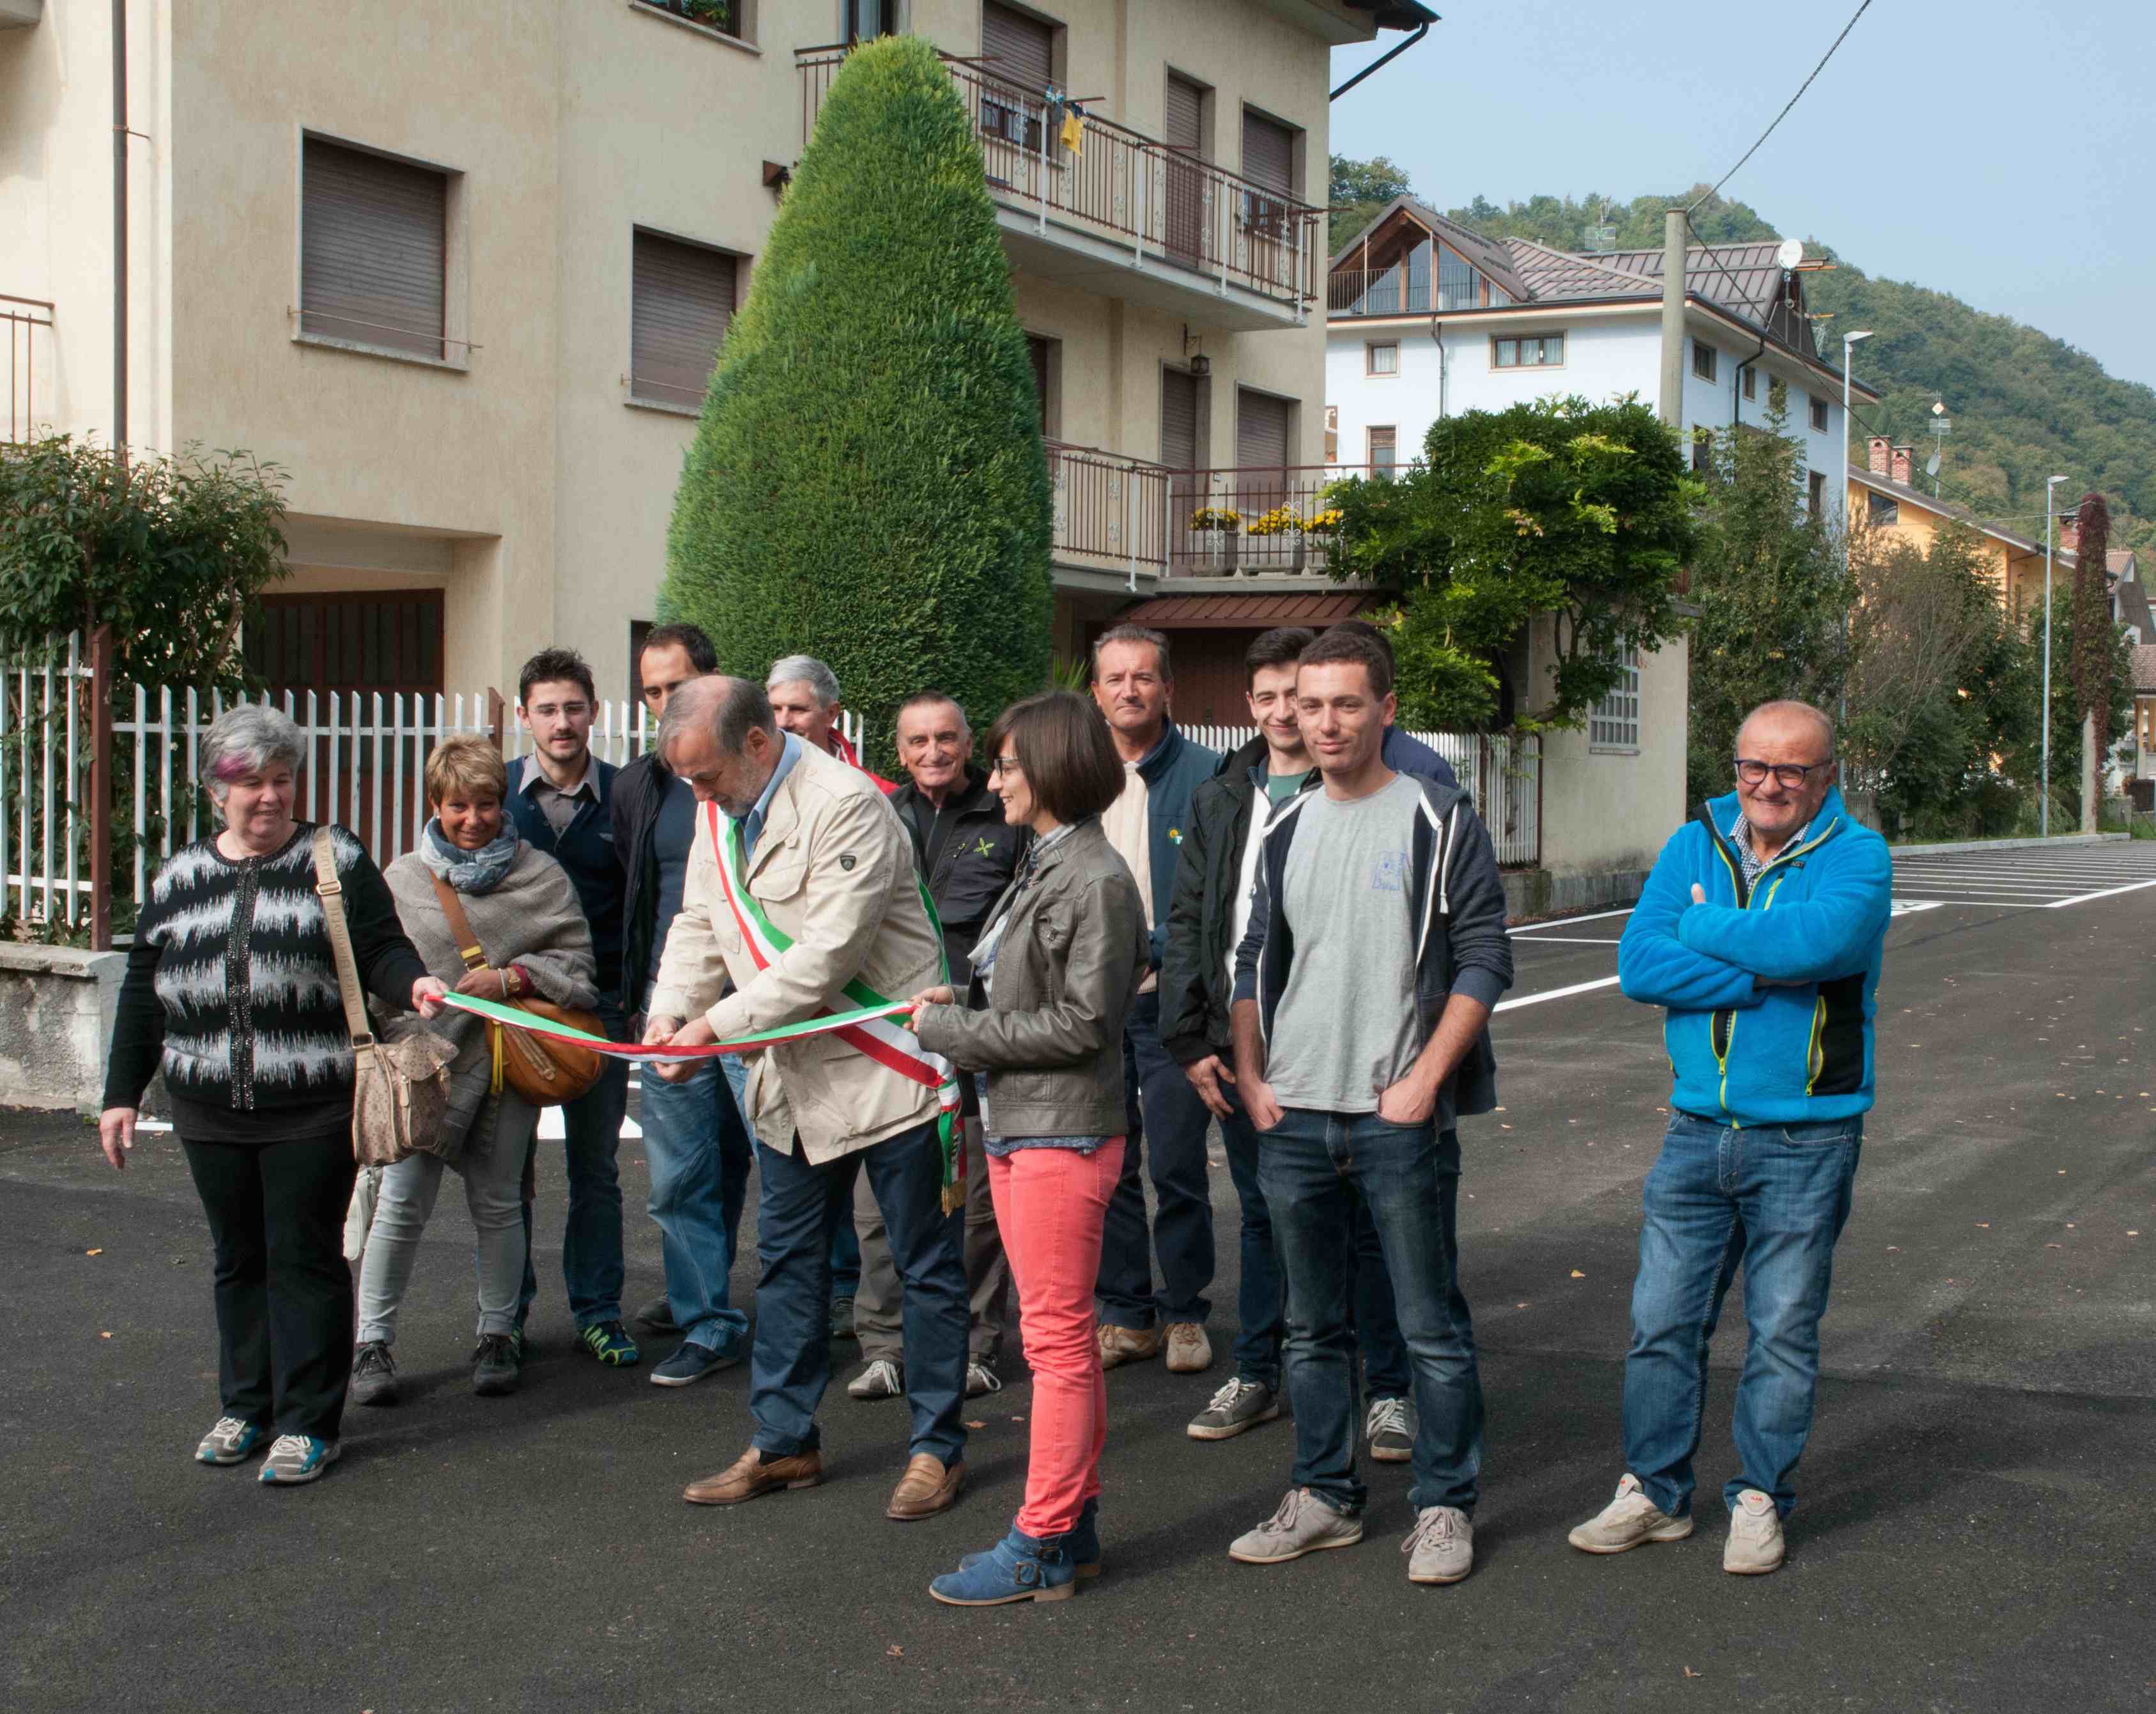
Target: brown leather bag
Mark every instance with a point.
(543, 1071)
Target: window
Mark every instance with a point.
(1819, 416)
(867, 19)
(729, 18)
(1264, 430)
(1614, 722)
(1381, 359)
(1384, 457)
(1545, 352)
(1882, 510)
(1748, 377)
(1815, 494)
(681, 302)
(1702, 451)
(1702, 361)
(1046, 356)
(1778, 397)
(373, 250)
(1019, 52)
(1268, 160)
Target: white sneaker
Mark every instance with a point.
(1303, 1525)
(880, 1379)
(1440, 1549)
(1630, 1519)
(1754, 1547)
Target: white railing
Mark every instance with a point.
(1502, 774)
(624, 730)
(45, 782)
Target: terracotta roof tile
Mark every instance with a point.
(1244, 610)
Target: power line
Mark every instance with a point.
(1864, 6)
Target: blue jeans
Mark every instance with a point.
(1162, 1112)
(1312, 1166)
(1773, 1200)
(591, 1238)
(1261, 1292)
(700, 1154)
(802, 1205)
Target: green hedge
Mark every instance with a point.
(868, 483)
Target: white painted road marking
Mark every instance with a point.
(1556, 993)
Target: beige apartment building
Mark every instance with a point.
(461, 271)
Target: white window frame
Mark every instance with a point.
(1370, 350)
(1516, 339)
(1612, 727)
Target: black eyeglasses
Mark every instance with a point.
(1790, 776)
(1006, 764)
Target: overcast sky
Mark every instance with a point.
(2004, 151)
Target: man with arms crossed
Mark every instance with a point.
(1375, 952)
(694, 1137)
(1761, 929)
(819, 891)
(1133, 684)
(968, 853)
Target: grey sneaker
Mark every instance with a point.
(880, 1379)
(1630, 1519)
(231, 1441)
(842, 1318)
(1303, 1525)
(1390, 1430)
(495, 1366)
(1440, 1549)
(981, 1377)
(1754, 1547)
(1237, 1407)
(373, 1374)
(297, 1458)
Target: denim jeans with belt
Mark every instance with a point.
(1311, 1166)
(1772, 1200)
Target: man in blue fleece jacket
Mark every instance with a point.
(1761, 931)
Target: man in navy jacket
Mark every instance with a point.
(557, 797)
(1761, 931)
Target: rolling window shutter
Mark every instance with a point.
(1186, 114)
(1262, 431)
(682, 300)
(1268, 153)
(1179, 419)
(1019, 50)
(371, 247)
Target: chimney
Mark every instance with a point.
(2070, 534)
(1878, 454)
(1905, 460)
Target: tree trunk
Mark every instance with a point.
(2092, 774)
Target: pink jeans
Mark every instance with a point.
(1051, 1204)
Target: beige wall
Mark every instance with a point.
(1606, 810)
(546, 495)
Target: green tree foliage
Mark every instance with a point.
(1772, 595)
(171, 552)
(1559, 507)
(2024, 758)
(2090, 663)
(1359, 189)
(868, 483)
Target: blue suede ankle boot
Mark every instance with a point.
(1082, 1544)
(1018, 1569)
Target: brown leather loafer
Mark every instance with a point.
(925, 1488)
(752, 1473)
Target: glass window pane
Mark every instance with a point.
(1508, 353)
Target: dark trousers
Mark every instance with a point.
(591, 1269)
(801, 1206)
(1166, 1128)
(1262, 1293)
(283, 1289)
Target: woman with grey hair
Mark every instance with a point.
(231, 991)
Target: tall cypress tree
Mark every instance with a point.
(2092, 645)
(868, 483)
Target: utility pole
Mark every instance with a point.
(2044, 767)
(120, 229)
(1677, 228)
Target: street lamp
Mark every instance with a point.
(1848, 344)
(2044, 767)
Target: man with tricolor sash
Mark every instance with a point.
(802, 889)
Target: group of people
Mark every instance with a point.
(1069, 958)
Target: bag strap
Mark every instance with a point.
(460, 929)
(332, 891)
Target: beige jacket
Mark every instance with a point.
(833, 871)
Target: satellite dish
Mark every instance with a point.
(1791, 253)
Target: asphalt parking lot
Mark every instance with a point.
(1972, 1531)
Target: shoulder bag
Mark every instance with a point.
(542, 1071)
(400, 1090)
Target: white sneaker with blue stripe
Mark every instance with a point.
(230, 1441)
(298, 1458)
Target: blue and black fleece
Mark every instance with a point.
(1770, 987)
(1173, 769)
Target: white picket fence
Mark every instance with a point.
(44, 780)
(1502, 774)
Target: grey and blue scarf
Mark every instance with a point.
(476, 872)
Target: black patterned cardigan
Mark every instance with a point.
(231, 988)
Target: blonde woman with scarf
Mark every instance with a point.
(523, 911)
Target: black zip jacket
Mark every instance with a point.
(633, 799)
(980, 855)
(1456, 898)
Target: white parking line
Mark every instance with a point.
(2108, 893)
(1569, 922)
(1568, 940)
(1556, 993)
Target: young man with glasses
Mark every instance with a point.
(1760, 930)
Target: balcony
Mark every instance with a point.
(27, 325)
(1125, 217)
(1118, 519)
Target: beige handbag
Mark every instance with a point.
(400, 1090)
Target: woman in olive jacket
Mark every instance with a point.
(1054, 974)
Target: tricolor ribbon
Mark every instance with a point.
(495, 1012)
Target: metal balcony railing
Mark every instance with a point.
(1254, 521)
(26, 323)
(1165, 205)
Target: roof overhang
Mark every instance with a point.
(1249, 610)
(1871, 479)
(1343, 22)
